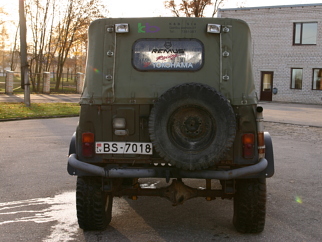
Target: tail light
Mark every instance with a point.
(88, 144)
(248, 145)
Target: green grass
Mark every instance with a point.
(37, 110)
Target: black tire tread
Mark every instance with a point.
(180, 90)
(90, 204)
(250, 205)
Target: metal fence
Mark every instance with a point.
(68, 83)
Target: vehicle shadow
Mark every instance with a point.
(155, 219)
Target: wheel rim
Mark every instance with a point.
(191, 128)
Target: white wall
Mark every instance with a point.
(272, 34)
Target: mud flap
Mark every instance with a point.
(72, 150)
(269, 155)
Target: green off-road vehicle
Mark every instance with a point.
(173, 99)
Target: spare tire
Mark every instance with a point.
(192, 125)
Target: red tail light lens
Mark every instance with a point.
(88, 144)
(248, 145)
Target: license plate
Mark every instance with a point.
(123, 148)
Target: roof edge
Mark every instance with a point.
(274, 6)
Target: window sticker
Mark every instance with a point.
(168, 55)
(147, 28)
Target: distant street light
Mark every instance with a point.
(23, 53)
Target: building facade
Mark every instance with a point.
(287, 51)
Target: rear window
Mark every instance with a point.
(168, 55)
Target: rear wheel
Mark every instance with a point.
(94, 207)
(250, 205)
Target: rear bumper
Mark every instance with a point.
(165, 172)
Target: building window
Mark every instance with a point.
(305, 33)
(317, 79)
(297, 77)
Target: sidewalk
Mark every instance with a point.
(41, 98)
(292, 113)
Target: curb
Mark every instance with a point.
(294, 124)
(39, 117)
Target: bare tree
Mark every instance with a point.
(15, 54)
(192, 8)
(241, 4)
(2, 13)
(3, 37)
(56, 25)
(173, 7)
(3, 45)
(73, 28)
(39, 16)
(51, 48)
(217, 5)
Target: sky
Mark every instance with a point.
(153, 8)
(140, 8)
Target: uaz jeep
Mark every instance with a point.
(170, 98)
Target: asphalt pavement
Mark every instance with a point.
(292, 113)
